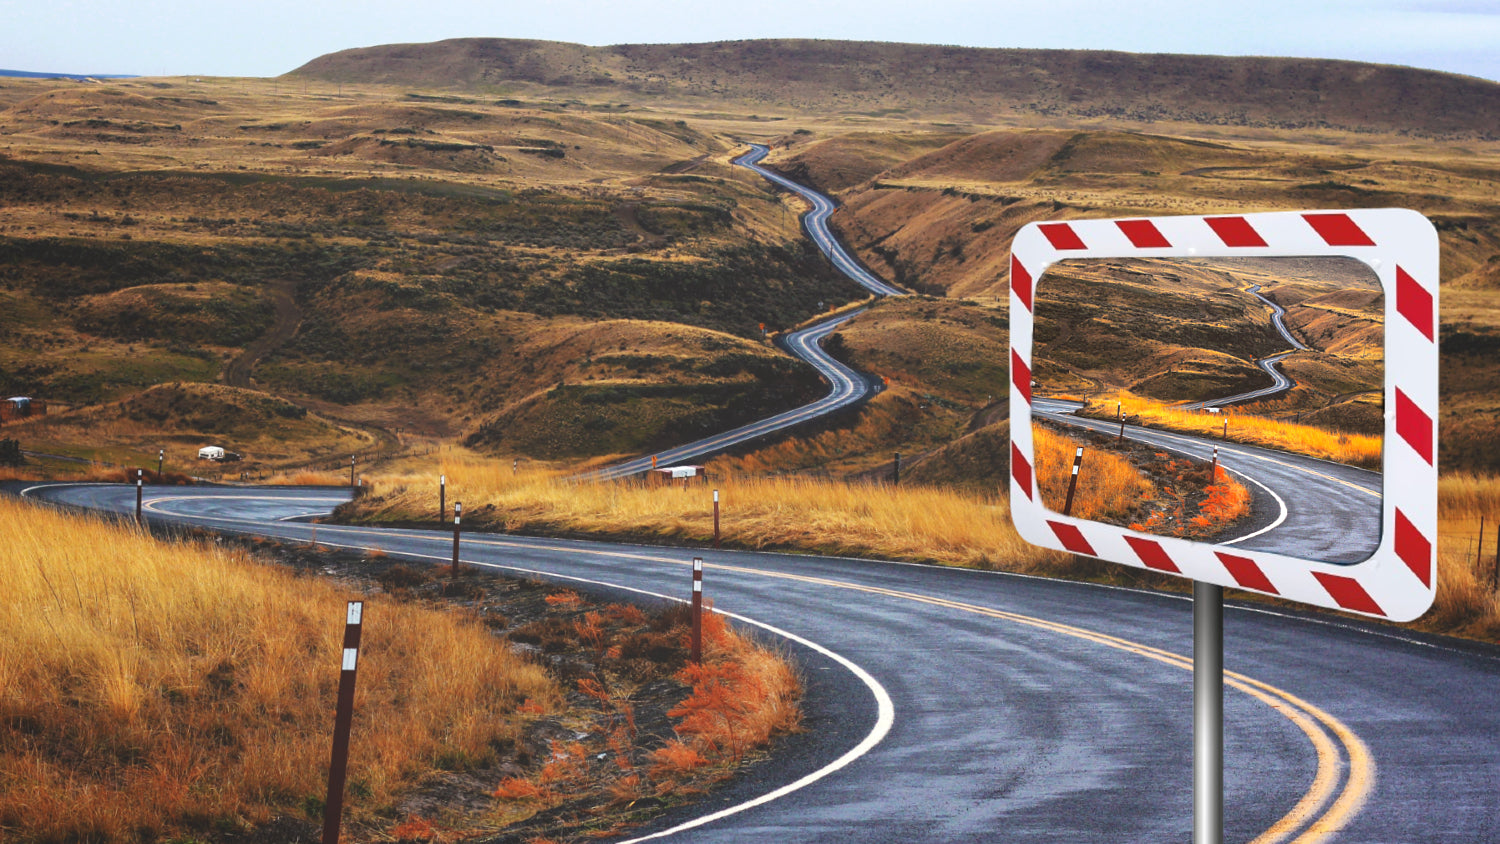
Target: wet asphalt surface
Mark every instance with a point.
(1004, 726)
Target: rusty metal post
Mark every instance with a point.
(338, 766)
(1479, 554)
(1073, 482)
(458, 511)
(716, 518)
(697, 655)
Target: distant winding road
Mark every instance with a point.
(1279, 380)
(846, 386)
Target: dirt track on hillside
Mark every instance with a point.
(288, 320)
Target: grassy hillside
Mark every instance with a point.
(942, 222)
(403, 263)
(398, 238)
(923, 81)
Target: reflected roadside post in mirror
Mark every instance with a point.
(1396, 580)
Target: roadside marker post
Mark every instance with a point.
(1214, 475)
(139, 473)
(458, 511)
(1479, 554)
(442, 497)
(716, 518)
(161, 458)
(697, 655)
(351, 471)
(1073, 482)
(338, 767)
(896, 475)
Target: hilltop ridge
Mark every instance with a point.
(929, 82)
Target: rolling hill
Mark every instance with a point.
(928, 82)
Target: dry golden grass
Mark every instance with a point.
(1353, 449)
(829, 517)
(1468, 542)
(1465, 605)
(1108, 485)
(307, 477)
(151, 690)
(902, 523)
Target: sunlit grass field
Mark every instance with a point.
(154, 690)
(1353, 449)
(825, 516)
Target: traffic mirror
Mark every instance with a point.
(1254, 398)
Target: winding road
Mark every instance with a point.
(846, 386)
(1279, 380)
(953, 705)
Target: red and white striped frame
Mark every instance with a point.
(1397, 583)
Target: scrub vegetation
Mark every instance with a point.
(188, 672)
(200, 676)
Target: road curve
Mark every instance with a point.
(1304, 507)
(1018, 709)
(1279, 380)
(846, 387)
(815, 222)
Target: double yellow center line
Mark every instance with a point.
(1323, 810)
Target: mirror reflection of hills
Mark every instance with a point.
(1189, 330)
(1215, 399)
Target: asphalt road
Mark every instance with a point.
(1279, 380)
(846, 386)
(1304, 507)
(815, 222)
(949, 705)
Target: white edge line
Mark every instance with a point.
(1181, 450)
(1269, 527)
(885, 717)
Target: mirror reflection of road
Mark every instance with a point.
(846, 387)
(1304, 507)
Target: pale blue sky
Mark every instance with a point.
(271, 37)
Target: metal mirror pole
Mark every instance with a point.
(1208, 713)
